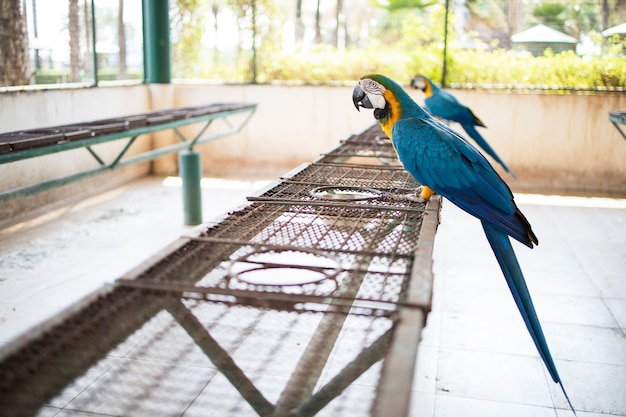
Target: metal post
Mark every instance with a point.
(190, 167)
(157, 67)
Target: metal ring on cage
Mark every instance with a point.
(277, 267)
(345, 193)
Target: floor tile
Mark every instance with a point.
(586, 311)
(486, 334)
(422, 405)
(425, 380)
(451, 406)
(617, 308)
(592, 387)
(600, 345)
(493, 376)
(480, 301)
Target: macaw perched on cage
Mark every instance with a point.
(444, 105)
(446, 163)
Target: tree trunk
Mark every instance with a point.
(87, 55)
(13, 44)
(253, 63)
(339, 22)
(121, 42)
(74, 27)
(318, 28)
(37, 59)
(299, 28)
(514, 13)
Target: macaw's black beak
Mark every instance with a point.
(360, 99)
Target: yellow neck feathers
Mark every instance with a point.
(395, 113)
(428, 91)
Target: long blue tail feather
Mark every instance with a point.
(473, 133)
(503, 250)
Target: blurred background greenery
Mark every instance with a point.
(580, 44)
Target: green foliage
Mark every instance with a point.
(392, 25)
(324, 65)
(391, 5)
(551, 14)
(187, 26)
(565, 70)
(415, 47)
(499, 68)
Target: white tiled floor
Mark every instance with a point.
(109, 234)
(475, 359)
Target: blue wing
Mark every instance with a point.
(440, 158)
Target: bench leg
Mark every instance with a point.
(190, 167)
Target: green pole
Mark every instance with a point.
(156, 35)
(190, 167)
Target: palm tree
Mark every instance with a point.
(318, 25)
(339, 21)
(13, 44)
(74, 27)
(299, 26)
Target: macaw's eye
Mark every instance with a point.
(371, 86)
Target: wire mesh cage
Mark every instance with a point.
(287, 306)
(205, 357)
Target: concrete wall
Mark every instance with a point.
(292, 125)
(562, 143)
(554, 143)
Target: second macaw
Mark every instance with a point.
(446, 163)
(444, 105)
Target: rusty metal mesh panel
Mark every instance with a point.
(370, 136)
(378, 185)
(369, 147)
(163, 354)
(288, 303)
(351, 228)
(300, 250)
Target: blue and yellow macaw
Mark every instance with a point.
(444, 105)
(446, 163)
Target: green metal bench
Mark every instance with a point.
(25, 144)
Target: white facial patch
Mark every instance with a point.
(374, 92)
(419, 83)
